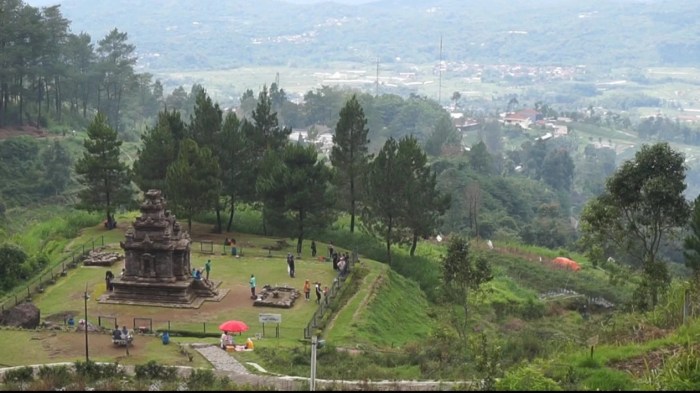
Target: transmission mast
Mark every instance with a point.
(440, 74)
(376, 81)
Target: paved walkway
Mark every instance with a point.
(228, 365)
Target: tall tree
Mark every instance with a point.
(263, 134)
(385, 195)
(642, 206)
(444, 134)
(558, 170)
(463, 274)
(104, 177)
(424, 204)
(158, 150)
(349, 155)
(117, 60)
(205, 128)
(235, 161)
(691, 243)
(193, 180)
(303, 182)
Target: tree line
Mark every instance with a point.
(215, 161)
(45, 69)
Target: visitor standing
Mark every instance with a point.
(292, 271)
(252, 286)
(307, 290)
(318, 293)
(207, 268)
(330, 250)
(313, 249)
(108, 279)
(223, 341)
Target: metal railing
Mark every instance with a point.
(332, 293)
(49, 275)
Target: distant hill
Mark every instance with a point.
(186, 35)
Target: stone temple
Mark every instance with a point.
(157, 263)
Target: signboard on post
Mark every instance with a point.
(270, 318)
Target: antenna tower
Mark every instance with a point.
(440, 74)
(376, 81)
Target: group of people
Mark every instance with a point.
(226, 340)
(317, 287)
(197, 273)
(122, 334)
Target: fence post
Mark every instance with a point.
(204, 324)
(169, 326)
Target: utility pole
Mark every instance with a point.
(376, 81)
(85, 326)
(440, 74)
(312, 381)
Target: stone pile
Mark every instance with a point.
(281, 297)
(99, 257)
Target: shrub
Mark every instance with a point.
(19, 375)
(153, 370)
(92, 371)
(55, 376)
(526, 378)
(607, 380)
(201, 380)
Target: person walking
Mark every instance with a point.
(307, 289)
(207, 268)
(318, 293)
(252, 286)
(292, 271)
(313, 248)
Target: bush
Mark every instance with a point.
(201, 380)
(607, 380)
(19, 375)
(56, 376)
(153, 370)
(92, 371)
(526, 378)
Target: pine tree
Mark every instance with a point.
(349, 155)
(104, 176)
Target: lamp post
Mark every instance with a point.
(312, 380)
(86, 297)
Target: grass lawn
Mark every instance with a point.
(65, 298)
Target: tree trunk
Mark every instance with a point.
(230, 217)
(300, 233)
(352, 205)
(413, 244)
(217, 229)
(388, 242)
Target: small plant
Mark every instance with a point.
(153, 370)
(19, 375)
(201, 379)
(56, 376)
(526, 378)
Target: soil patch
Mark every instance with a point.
(9, 132)
(653, 360)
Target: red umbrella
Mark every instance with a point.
(233, 326)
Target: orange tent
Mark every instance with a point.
(567, 263)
